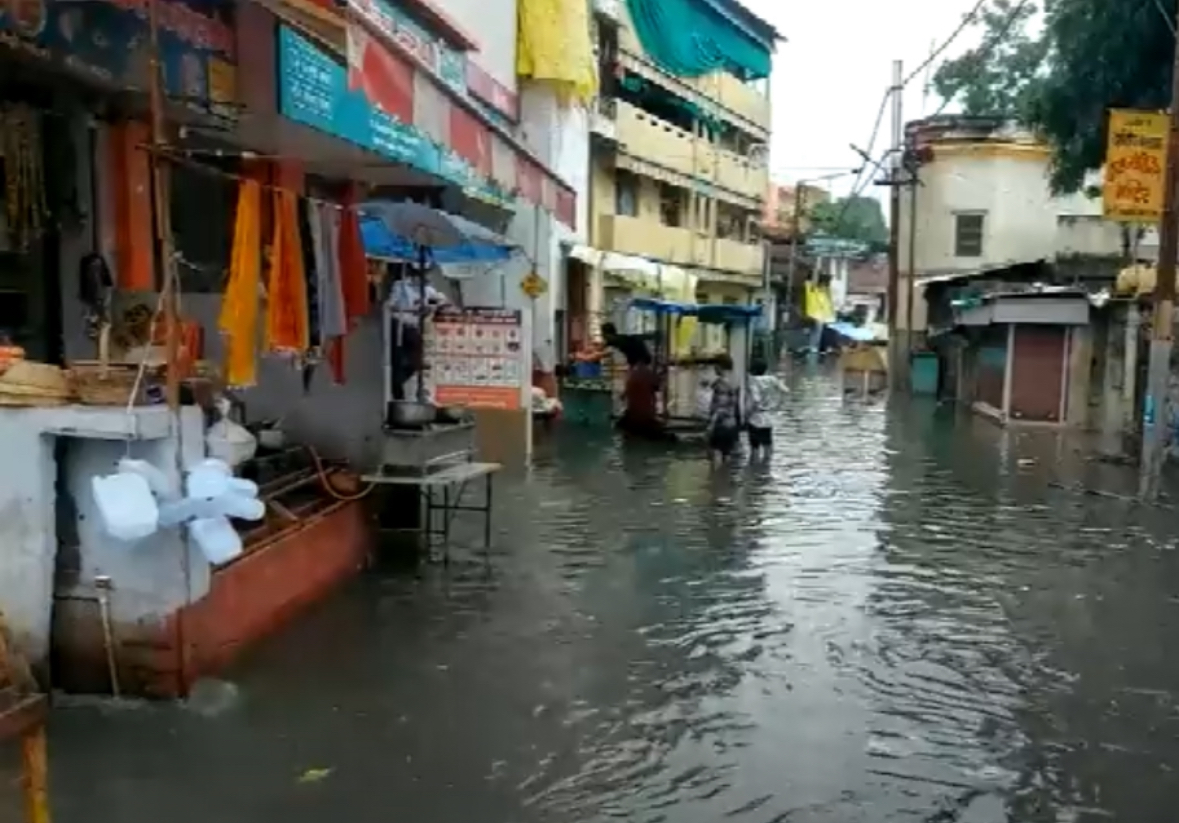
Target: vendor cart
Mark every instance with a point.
(683, 375)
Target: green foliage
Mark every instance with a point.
(851, 218)
(1000, 75)
(1092, 55)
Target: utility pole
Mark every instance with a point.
(792, 261)
(1157, 414)
(894, 221)
(911, 168)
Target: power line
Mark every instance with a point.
(933, 55)
(986, 46)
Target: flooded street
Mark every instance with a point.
(906, 616)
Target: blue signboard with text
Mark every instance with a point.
(313, 90)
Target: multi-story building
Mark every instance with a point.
(784, 201)
(679, 169)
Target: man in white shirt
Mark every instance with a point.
(406, 296)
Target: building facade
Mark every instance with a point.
(983, 201)
(678, 166)
(785, 201)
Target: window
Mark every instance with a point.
(626, 194)
(968, 235)
(672, 204)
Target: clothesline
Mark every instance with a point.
(182, 159)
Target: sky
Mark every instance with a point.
(835, 66)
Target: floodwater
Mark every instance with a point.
(905, 616)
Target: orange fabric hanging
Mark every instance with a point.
(239, 307)
(353, 266)
(353, 280)
(287, 328)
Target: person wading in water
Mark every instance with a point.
(641, 416)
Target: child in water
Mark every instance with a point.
(765, 396)
(724, 427)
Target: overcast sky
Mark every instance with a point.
(834, 67)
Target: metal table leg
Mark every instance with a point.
(446, 517)
(487, 515)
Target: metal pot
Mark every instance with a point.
(412, 413)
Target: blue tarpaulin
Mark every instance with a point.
(705, 313)
(859, 334)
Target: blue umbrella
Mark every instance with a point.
(399, 231)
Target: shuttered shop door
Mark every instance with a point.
(1036, 372)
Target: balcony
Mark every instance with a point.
(602, 120)
(649, 138)
(740, 174)
(648, 238)
(680, 246)
(744, 101)
(739, 258)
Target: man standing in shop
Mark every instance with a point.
(406, 296)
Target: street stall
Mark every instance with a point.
(463, 362)
(687, 369)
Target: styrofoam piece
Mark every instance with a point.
(217, 539)
(126, 505)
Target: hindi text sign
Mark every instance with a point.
(1135, 165)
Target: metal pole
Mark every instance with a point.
(1156, 412)
(792, 261)
(894, 218)
(910, 291)
(163, 221)
(170, 298)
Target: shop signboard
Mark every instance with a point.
(107, 41)
(475, 358)
(426, 49)
(314, 90)
(1135, 162)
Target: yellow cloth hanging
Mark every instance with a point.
(818, 305)
(239, 306)
(554, 47)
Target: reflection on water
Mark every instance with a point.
(905, 616)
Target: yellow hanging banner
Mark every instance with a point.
(1135, 165)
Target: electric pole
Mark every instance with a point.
(894, 223)
(1157, 412)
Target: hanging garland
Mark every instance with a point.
(24, 176)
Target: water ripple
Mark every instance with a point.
(906, 615)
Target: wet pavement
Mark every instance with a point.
(905, 616)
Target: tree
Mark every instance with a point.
(1001, 75)
(852, 218)
(1091, 56)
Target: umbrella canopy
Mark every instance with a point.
(396, 231)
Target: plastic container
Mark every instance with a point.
(923, 373)
(587, 371)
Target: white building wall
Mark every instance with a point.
(1023, 222)
(1020, 223)
(560, 137)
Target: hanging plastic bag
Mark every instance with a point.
(229, 441)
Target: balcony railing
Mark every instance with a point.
(678, 245)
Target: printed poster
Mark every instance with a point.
(475, 357)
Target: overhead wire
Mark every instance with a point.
(989, 44)
(967, 19)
